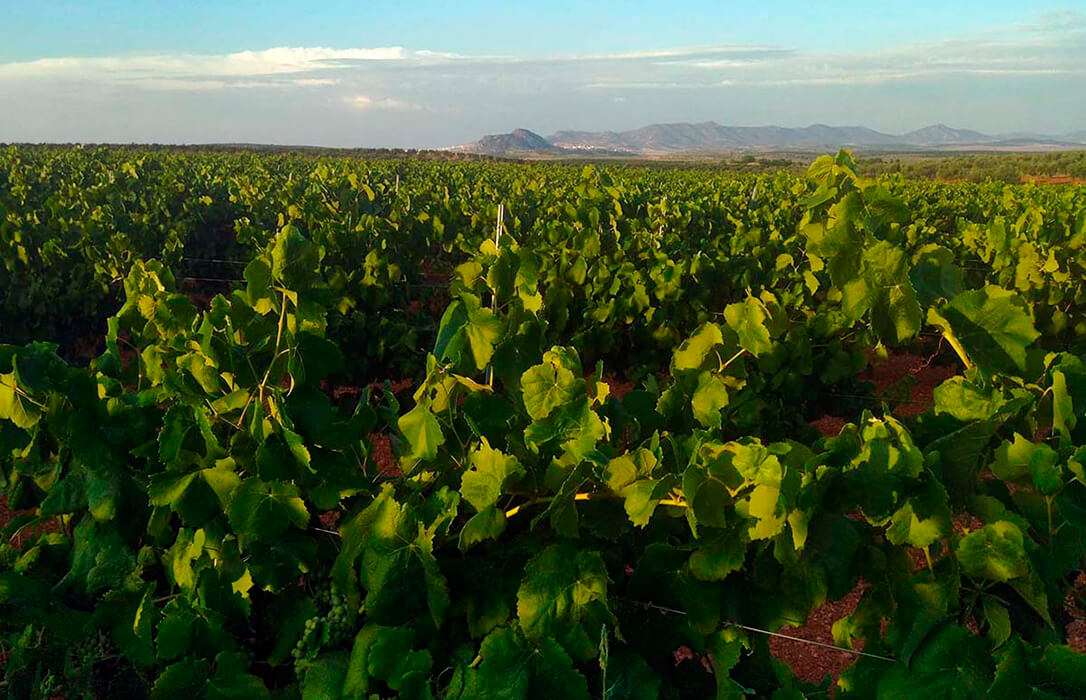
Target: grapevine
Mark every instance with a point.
(384, 452)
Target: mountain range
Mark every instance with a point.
(710, 137)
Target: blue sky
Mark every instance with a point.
(441, 73)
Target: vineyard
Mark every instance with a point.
(282, 426)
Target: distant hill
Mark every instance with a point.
(711, 137)
(941, 134)
(516, 141)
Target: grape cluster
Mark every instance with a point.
(330, 627)
(88, 651)
(340, 625)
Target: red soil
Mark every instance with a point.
(896, 369)
(383, 456)
(330, 519)
(828, 425)
(890, 378)
(432, 276)
(5, 513)
(811, 663)
(1075, 604)
(618, 386)
(27, 533)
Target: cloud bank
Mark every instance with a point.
(399, 96)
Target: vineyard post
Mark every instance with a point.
(494, 295)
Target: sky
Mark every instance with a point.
(433, 74)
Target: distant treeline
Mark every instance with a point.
(1008, 167)
(964, 167)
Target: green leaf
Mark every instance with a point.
(265, 510)
(466, 327)
(184, 679)
(710, 397)
(642, 497)
(1018, 459)
(998, 619)
(725, 652)
(1032, 590)
(922, 520)
(907, 528)
(629, 677)
(748, 319)
(222, 479)
(236, 686)
(562, 585)
(1064, 419)
(483, 483)
(765, 507)
(190, 678)
(1028, 673)
(67, 496)
(294, 259)
(357, 680)
(1065, 667)
(487, 524)
(993, 325)
(695, 350)
(100, 558)
(996, 552)
(549, 385)
(174, 633)
(400, 574)
(935, 275)
(166, 488)
(103, 489)
(1046, 471)
(511, 668)
(258, 279)
(714, 560)
(953, 664)
(132, 618)
(527, 281)
(14, 406)
(325, 677)
(575, 426)
(319, 356)
(895, 312)
(234, 401)
(966, 400)
(206, 374)
(289, 617)
(422, 431)
(391, 657)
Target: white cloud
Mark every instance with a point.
(365, 103)
(1054, 44)
(314, 82)
(481, 93)
(159, 68)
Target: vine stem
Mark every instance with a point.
(27, 396)
(275, 355)
(958, 348)
(673, 502)
(733, 358)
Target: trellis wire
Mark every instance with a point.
(758, 630)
